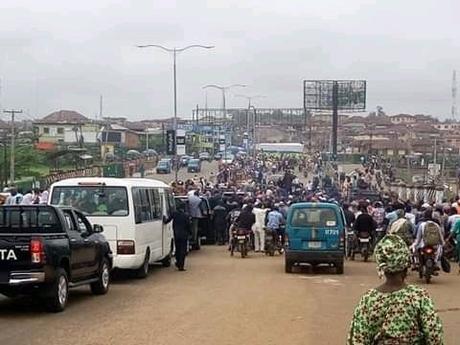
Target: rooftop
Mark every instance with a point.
(65, 117)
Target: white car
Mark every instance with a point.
(228, 159)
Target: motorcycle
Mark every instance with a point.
(379, 234)
(364, 245)
(272, 242)
(427, 267)
(350, 244)
(240, 242)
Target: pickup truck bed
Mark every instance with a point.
(45, 250)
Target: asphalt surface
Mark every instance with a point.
(206, 169)
(219, 300)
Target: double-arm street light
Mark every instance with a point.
(174, 52)
(223, 89)
(250, 98)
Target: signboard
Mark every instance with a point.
(434, 169)
(221, 142)
(351, 95)
(180, 142)
(170, 142)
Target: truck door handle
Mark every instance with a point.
(86, 240)
(73, 240)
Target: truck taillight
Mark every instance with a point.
(342, 241)
(37, 251)
(126, 247)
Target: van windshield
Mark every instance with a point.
(35, 219)
(314, 217)
(95, 201)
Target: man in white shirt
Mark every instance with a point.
(259, 227)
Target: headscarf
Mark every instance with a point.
(392, 254)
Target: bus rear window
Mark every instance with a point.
(93, 200)
(38, 219)
(314, 217)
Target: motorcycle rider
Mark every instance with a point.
(364, 225)
(429, 233)
(246, 218)
(275, 220)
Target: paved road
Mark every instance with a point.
(206, 169)
(219, 300)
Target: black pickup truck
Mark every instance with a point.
(45, 250)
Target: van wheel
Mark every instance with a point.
(288, 266)
(143, 271)
(339, 268)
(59, 292)
(101, 287)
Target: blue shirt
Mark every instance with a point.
(275, 220)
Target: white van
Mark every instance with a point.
(132, 211)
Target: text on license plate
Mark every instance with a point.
(365, 240)
(314, 244)
(241, 237)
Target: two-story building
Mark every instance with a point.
(66, 126)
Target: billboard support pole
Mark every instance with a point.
(335, 117)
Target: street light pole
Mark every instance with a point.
(223, 89)
(174, 51)
(250, 98)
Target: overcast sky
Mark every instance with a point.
(58, 54)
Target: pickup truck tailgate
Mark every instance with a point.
(14, 255)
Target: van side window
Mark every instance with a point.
(142, 205)
(157, 204)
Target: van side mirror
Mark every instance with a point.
(98, 228)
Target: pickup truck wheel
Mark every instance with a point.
(59, 292)
(288, 266)
(143, 271)
(339, 268)
(101, 287)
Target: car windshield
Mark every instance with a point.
(93, 200)
(313, 217)
(163, 164)
(193, 162)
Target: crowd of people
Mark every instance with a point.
(13, 196)
(255, 194)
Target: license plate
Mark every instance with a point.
(364, 240)
(314, 245)
(241, 237)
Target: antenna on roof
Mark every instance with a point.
(454, 95)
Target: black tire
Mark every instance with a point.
(58, 292)
(143, 271)
(366, 256)
(339, 268)
(166, 262)
(288, 266)
(101, 287)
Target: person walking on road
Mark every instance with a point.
(259, 227)
(181, 228)
(194, 202)
(395, 312)
(219, 222)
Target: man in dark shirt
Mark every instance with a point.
(246, 219)
(181, 228)
(364, 223)
(349, 216)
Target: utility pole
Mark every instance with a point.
(12, 113)
(335, 117)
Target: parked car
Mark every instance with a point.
(228, 158)
(45, 250)
(184, 160)
(164, 166)
(194, 166)
(204, 156)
